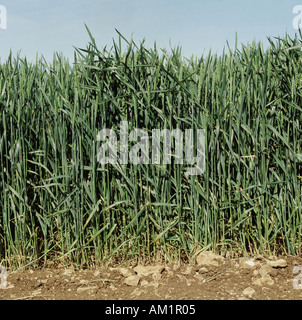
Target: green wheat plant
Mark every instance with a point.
(57, 203)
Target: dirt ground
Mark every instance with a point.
(211, 278)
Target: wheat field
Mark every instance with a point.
(58, 203)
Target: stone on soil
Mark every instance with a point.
(266, 269)
(125, 272)
(281, 263)
(247, 263)
(83, 289)
(249, 291)
(132, 281)
(209, 258)
(145, 271)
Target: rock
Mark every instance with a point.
(181, 277)
(144, 283)
(125, 272)
(145, 271)
(156, 276)
(44, 281)
(84, 281)
(248, 292)
(203, 270)
(257, 282)
(154, 284)
(281, 263)
(132, 281)
(169, 271)
(266, 269)
(188, 271)
(267, 280)
(83, 289)
(209, 258)
(250, 263)
(247, 263)
(36, 292)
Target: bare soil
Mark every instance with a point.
(212, 279)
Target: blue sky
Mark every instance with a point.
(47, 26)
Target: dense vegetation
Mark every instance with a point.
(57, 202)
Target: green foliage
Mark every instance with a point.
(58, 202)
